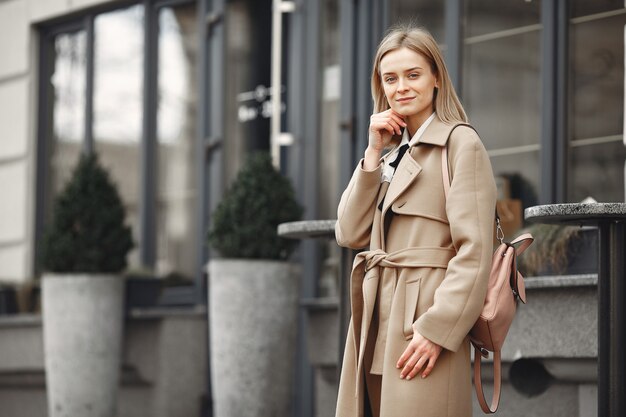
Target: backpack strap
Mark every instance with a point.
(445, 169)
(444, 159)
(497, 381)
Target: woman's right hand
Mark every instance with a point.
(383, 126)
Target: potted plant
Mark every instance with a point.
(253, 294)
(84, 251)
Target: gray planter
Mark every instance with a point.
(82, 325)
(253, 318)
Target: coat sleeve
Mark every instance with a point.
(470, 208)
(357, 206)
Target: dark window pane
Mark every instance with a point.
(177, 119)
(596, 112)
(118, 105)
(501, 90)
(488, 16)
(522, 170)
(426, 13)
(329, 142)
(597, 171)
(597, 77)
(247, 82)
(329, 111)
(587, 7)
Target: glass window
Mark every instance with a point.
(329, 110)
(581, 8)
(487, 17)
(118, 105)
(176, 131)
(501, 90)
(426, 13)
(247, 84)
(329, 145)
(68, 111)
(596, 96)
(597, 171)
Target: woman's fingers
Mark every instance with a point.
(431, 365)
(418, 367)
(379, 120)
(398, 119)
(388, 124)
(415, 365)
(419, 353)
(406, 355)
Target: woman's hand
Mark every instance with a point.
(420, 352)
(383, 126)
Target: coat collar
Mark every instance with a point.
(436, 133)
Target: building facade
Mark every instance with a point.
(172, 94)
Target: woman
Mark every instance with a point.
(417, 291)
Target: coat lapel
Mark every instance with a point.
(405, 174)
(436, 133)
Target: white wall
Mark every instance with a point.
(18, 127)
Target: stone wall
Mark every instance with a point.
(164, 365)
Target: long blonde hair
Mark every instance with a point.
(445, 103)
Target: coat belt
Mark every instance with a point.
(388, 265)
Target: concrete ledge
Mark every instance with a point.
(560, 281)
(164, 364)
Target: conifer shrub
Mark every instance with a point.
(87, 233)
(245, 221)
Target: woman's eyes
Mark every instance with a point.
(412, 76)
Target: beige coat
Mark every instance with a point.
(429, 274)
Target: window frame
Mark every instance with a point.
(84, 20)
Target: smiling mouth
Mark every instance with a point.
(402, 100)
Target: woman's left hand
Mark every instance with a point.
(420, 352)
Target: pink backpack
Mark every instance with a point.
(506, 286)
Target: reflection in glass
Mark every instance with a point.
(426, 13)
(488, 16)
(501, 88)
(597, 77)
(586, 7)
(68, 112)
(329, 111)
(596, 114)
(248, 67)
(328, 160)
(597, 171)
(118, 111)
(176, 132)
(524, 167)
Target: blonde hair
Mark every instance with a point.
(445, 102)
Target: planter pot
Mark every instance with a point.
(82, 325)
(253, 320)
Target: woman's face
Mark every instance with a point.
(408, 82)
